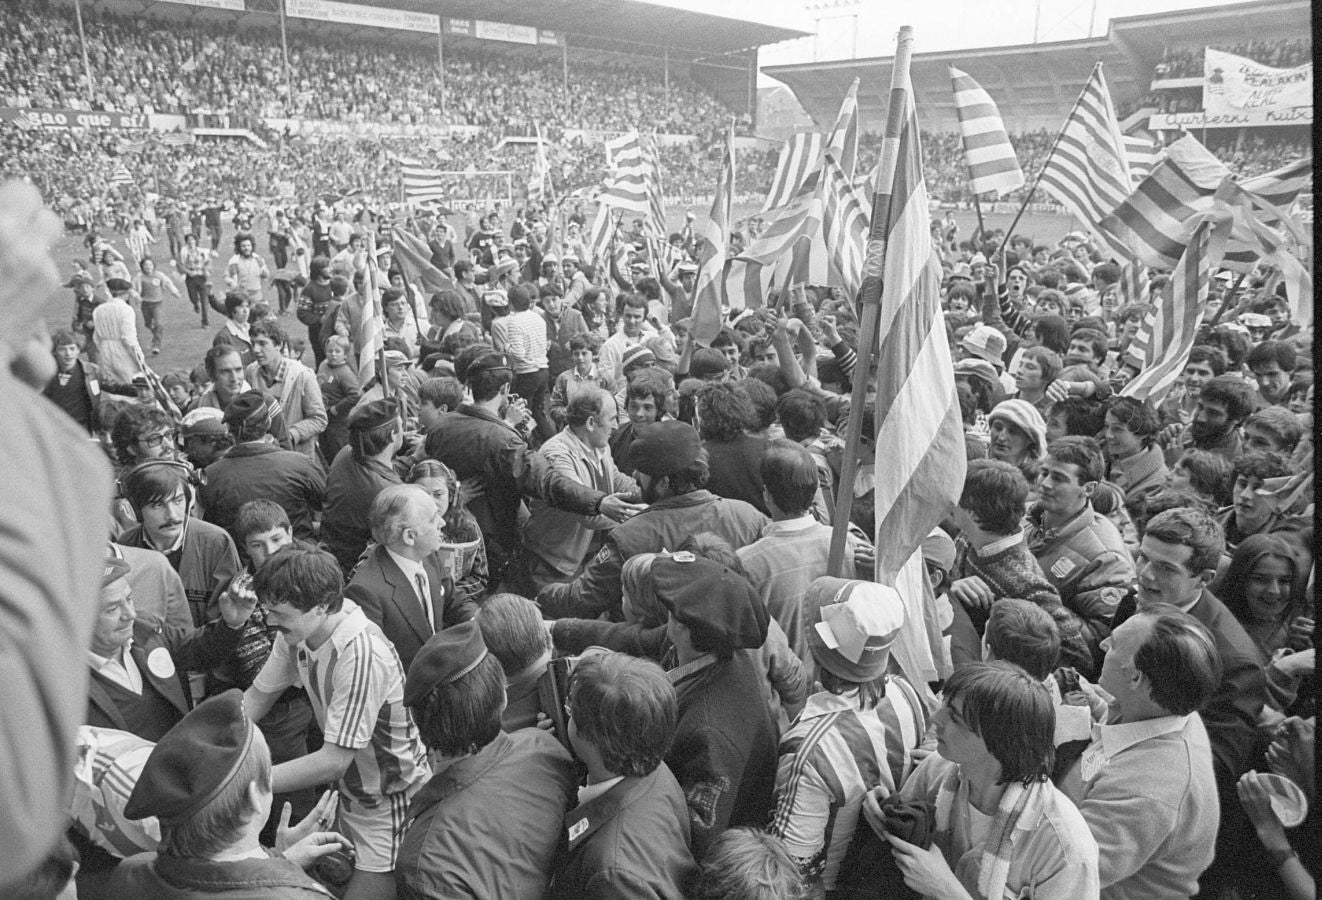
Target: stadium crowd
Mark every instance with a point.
(520, 591)
(1187, 62)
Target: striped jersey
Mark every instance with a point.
(832, 755)
(356, 684)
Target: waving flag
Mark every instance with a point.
(1172, 327)
(121, 176)
(711, 252)
(541, 171)
(844, 228)
(1088, 171)
(797, 158)
(987, 150)
(413, 256)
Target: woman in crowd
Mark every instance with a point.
(461, 538)
(234, 333)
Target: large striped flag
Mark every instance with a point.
(655, 223)
(1088, 171)
(370, 339)
(920, 455)
(599, 235)
(541, 170)
(1252, 241)
(987, 149)
(1154, 223)
(797, 158)
(422, 183)
(1172, 327)
(626, 186)
(711, 252)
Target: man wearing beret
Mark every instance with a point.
(359, 472)
(671, 467)
(477, 441)
(628, 837)
(400, 584)
(488, 822)
(256, 468)
(208, 784)
(353, 677)
(724, 754)
(138, 663)
(115, 330)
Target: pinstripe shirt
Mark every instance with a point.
(833, 754)
(356, 685)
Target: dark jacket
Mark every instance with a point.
(198, 650)
(631, 843)
(725, 753)
(478, 444)
(169, 878)
(389, 599)
(736, 469)
(351, 486)
(662, 526)
(207, 563)
(252, 471)
(488, 826)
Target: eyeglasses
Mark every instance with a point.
(157, 439)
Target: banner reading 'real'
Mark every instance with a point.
(1235, 84)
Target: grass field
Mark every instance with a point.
(186, 342)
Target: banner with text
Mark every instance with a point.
(70, 118)
(1298, 115)
(1237, 85)
(501, 31)
(374, 16)
(234, 5)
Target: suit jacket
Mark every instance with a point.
(199, 649)
(389, 599)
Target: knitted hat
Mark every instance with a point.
(251, 410)
(853, 624)
(636, 357)
(1024, 416)
(977, 260)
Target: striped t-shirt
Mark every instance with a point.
(356, 684)
(832, 755)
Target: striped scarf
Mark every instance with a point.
(1020, 810)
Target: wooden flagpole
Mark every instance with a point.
(874, 264)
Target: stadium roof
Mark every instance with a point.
(632, 26)
(1036, 84)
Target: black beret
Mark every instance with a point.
(373, 415)
(664, 448)
(194, 761)
(721, 609)
(118, 285)
(487, 363)
(447, 656)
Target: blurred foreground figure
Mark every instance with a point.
(52, 541)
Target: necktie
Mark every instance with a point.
(425, 597)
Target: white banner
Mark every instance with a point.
(374, 16)
(499, 31)
(1238, 85)
(235, 5)
(1298, 115)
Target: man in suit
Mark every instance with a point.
(136, 663)
(401, 585)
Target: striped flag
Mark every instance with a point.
(655, 222)
(421, 182)
(1088, 172)
(1142, 150)
(920, 456)
(541, 170)
(121, 175)
(711, 252)
(25, 121)
(987, 149)
(599, 234)
(626, 188)
(797, 158)
(1154, 223)
(844, 228)
(745, 284)
(178, 139)
(1252, 241)
(1174, 324)
(370, 339)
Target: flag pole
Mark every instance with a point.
(874, 262)
(1041, 169)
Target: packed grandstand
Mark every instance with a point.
(460, 116)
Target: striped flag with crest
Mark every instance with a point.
(987, 150)
(797, 158)
(1088, 171)
(711, 251)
